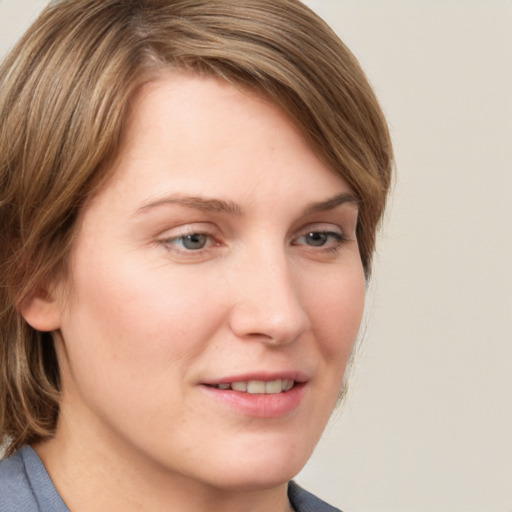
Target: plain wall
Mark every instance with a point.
(427, 425)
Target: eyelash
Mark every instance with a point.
(177, 242)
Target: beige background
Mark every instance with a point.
(427, 425)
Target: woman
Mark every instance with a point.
(190, 191)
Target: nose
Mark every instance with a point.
(267, 301)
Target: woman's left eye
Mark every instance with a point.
(320, 239)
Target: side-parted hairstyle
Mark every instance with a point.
(65, 92)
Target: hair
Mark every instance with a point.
(65, 92)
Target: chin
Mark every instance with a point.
(246, 479)
(260, 468)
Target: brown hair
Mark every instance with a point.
(64, 94)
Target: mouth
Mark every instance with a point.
(258, 387)
(259, 396)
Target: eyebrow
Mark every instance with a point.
(198, 203)
(232, 208)
(331, 203)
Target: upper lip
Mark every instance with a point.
(297, 376)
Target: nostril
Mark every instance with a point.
(257, 324)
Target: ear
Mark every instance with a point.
(41, 310)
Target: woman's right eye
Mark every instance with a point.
(193, 242)
(189, 242)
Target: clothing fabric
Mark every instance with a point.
(25, 486)
(304, 501)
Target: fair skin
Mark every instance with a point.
(221, 254)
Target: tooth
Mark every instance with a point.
(274, 386)
(289, 385)
(255, 386)
(223, 385)
(239, 386)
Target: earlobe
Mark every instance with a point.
(41, 310)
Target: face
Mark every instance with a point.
(215, 292)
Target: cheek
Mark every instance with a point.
(337, 310)
(338, 318)
(141, 323)
(130, 341)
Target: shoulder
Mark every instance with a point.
(15, 491)
(25, 485)
(303, 501)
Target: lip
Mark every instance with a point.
(258, 405)
(297, 376)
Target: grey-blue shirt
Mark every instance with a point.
(25, 486)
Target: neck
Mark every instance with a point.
(91, 478)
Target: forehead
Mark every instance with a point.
(201, 135)
(191, 101)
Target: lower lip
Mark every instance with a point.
(259, 405)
